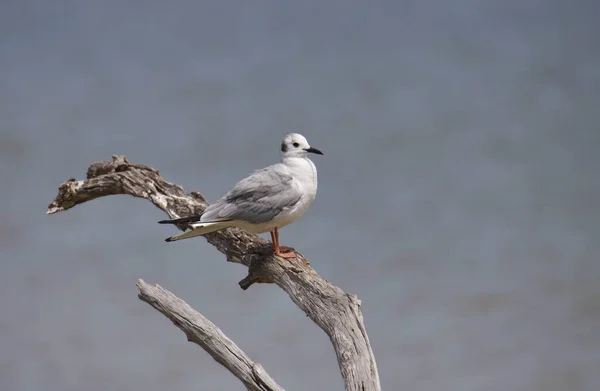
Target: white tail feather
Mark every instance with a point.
(199, 229)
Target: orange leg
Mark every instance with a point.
(282, 251)
(273, 241)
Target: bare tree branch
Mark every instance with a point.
(203, 332)
(335, 311)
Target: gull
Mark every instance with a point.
(265, 201)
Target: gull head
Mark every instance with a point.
(295, 145)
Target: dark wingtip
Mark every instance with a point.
(169, 239)
(181, 220)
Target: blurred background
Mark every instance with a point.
(458, 193)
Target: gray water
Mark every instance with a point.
(458, 192)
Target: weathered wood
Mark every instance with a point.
(203, 332)
(336, 312)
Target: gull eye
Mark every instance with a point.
(296, 145)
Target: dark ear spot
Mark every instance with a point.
(283, 147)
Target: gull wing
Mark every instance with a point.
(258, 198)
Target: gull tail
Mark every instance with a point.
(199, 229)
(188, 219)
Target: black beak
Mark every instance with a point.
(313, 150)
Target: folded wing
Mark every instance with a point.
(258, 198)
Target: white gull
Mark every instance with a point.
(265, 201)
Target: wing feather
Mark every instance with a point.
(258, 198)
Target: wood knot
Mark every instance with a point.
(122, 167)
(97, 169)
(120, 159)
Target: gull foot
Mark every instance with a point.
(285, 252)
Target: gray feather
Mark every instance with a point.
(258, 198)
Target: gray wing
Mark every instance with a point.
(257, 198)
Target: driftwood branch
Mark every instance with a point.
(336, 312)
(202, 331)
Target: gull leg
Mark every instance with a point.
(273, 241)
(283, 251)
